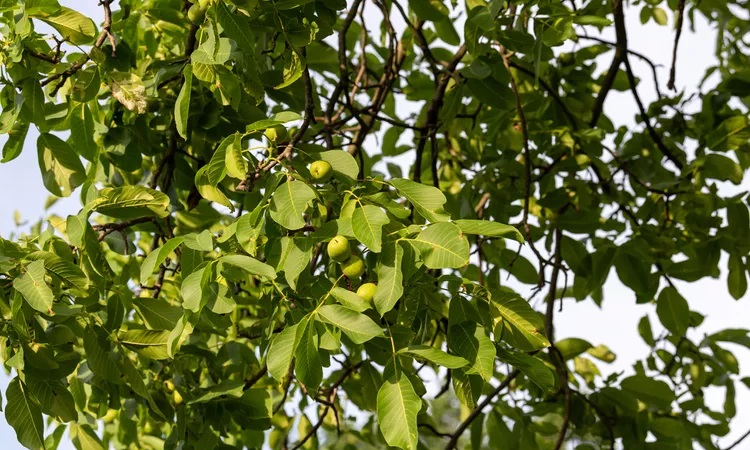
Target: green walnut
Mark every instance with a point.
(353, 267)
(339, 249)
(367, 291)
(196, 14)
(276, 133)
(321, 170)
(204, 4)
(169, 386)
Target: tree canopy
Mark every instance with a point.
(304, 224)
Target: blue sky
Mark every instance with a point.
(21, 190)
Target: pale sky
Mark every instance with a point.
(614, 325)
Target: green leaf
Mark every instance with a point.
(209, 191)
(99, 355)
(34, 288)
(24, 415)
(183, 328)
(54, 398)
(720, 167)
(249, 265)
(289, 202)
(536, 370)
(158, 314)
(572, 347)
(433, 10)
(62, 171)
(523, 327)
(84, 437)
(357, 326)
(227, 389)
(234, 161)
(235, 26)
(650, 391)
(293, 69)
(64, 270)
(398, 407)
(390, 277)
(442, 245)
(489, 229)
(182, 105)
(435, 356)
(131, 202)
(72, 25)
(367, 224)
(673, 311)
(157, 257)
(660, 16)
(468, 388)
(737, 278)
(491, 92)
(307, 366)
(576, 256)
(148, 343)
(427, 200)
(134, 379)
(350, 299)
(280, 352)
(731, 134)
(469, 341)
(217, 167)
(193, 288)
(82, 132)
(296, 254)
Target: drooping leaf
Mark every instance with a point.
(489, 229)
(71, 25)
(289, 203)
(367, 224)
(427, 200)
(62, 171)
(390, 277)
(357, 326)
(34, 288)
(131, 202)
(523, 328)
(435, 356)
(23, 414)
(398, 406)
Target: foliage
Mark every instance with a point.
(191, 302)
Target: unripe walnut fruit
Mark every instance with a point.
(339, 249)
(367, 291)
(321, 170)
(196, 14)
(276, 133)
(353, 267)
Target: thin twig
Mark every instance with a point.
(433, 112)
(257, 377)
(678, 33)
(620, 54)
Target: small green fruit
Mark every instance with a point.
(339, 249)
(177, 398)
(110, 416)
(196, 14)
(367, 291)
(276, 133)
(169, 386)
(321, 171)
(353, 267)
(204, 4)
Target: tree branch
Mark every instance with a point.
(430, 126)
(105, 34)
(678, 33)
(620, 53)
